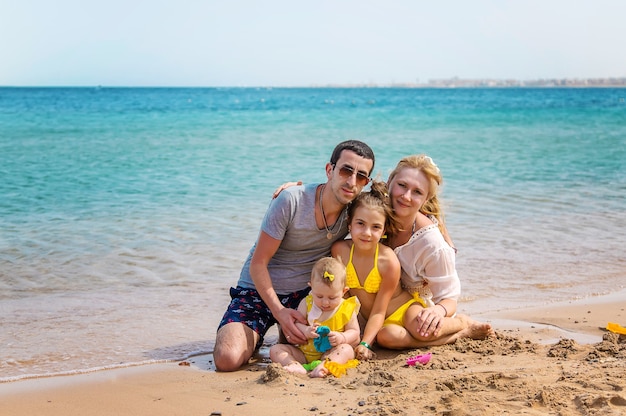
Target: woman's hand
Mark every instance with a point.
(429, 322)
(285, 186)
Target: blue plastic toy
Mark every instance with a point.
(321, 343)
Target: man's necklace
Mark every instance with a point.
(329, 233)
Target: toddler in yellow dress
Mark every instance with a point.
(327, 313)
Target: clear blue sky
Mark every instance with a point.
(292, 42)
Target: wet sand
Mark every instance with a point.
(558, 359)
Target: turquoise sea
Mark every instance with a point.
(126, 213)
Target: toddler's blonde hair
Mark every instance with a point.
(330, 271)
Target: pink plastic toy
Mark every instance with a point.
(422, 359)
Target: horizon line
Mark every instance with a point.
(452, 82)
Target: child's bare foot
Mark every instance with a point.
(319, 372)
(295, 368)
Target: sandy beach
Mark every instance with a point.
(554, 360)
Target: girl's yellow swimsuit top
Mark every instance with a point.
(373, 280)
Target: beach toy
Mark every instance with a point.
(310, 366)
(321, 343)
(339, 370)
(618, 329)
(422, 359)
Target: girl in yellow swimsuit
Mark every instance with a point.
(372, 269)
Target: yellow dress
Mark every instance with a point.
(336, 322)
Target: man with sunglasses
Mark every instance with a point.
(299, 228)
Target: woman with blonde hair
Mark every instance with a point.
(427, 258)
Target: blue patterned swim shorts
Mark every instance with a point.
(247, 307)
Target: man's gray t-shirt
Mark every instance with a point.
(291, 219)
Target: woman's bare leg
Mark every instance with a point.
(460, 326)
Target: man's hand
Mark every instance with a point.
(287, 319)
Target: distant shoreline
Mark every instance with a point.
(443, 83)
(456, 82)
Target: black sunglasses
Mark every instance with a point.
(347, 171)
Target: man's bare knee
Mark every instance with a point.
(226, 361)
(234, 345)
